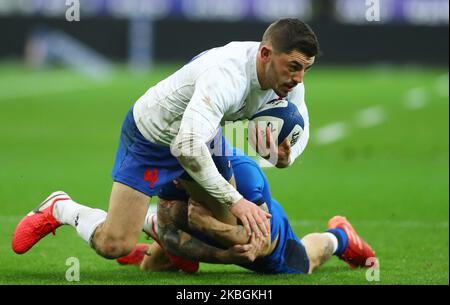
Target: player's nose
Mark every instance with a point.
(298, 77)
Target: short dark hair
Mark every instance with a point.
(289, 34)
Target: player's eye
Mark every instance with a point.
(294, 68)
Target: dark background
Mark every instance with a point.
(178, 38)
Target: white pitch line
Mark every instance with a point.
(370, 117)
(331, 133)
(415, 98)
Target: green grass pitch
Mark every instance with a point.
(60, 130)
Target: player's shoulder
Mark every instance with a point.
(226, 67)
(243, 49)
(234, 51)
(235, 56)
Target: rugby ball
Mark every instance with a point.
(283, 118)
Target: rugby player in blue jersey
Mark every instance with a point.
(197, 234)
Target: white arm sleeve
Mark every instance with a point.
(214, 92)
(298, 98)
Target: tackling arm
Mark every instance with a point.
(180, 243)
(227, 235)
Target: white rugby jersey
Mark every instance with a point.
(218, 85)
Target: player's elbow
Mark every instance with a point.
(187, 148)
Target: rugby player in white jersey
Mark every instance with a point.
(168, 130)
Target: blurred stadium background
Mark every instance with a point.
(377, 96)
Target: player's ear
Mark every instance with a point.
(266, 53)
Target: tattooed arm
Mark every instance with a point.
(172, 216)
(201, 219)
